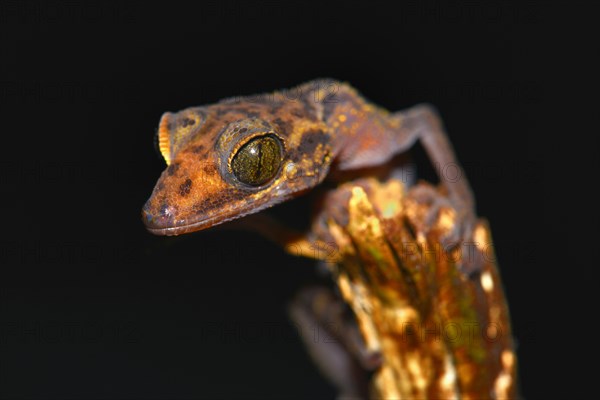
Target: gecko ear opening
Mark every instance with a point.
(176, 129)
(164, 140)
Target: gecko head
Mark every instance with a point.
(226, 161)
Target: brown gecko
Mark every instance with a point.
(245, 154)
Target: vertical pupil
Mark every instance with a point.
(260, 160)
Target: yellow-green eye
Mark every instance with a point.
(258, 161)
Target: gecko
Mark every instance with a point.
(245, 154)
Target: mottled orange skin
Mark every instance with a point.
(322, 124)
(204, 139)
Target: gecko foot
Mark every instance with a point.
(457, 223)
(334, 342)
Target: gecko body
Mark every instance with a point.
(245, 154)
(242, 155)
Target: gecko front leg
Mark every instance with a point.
(366, 135)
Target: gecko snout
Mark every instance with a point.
(158, 219)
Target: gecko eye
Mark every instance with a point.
(257, 161)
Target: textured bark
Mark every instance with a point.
(441, 334)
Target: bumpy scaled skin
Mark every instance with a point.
(320, 125)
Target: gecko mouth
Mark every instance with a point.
(163, 226)
(186, 227)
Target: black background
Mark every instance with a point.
(93, 306)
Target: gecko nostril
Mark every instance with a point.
(161, 217)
